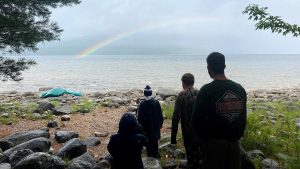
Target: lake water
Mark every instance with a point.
(123, 72)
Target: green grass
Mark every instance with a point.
(272, 138)
(84, 106)
(168, 110)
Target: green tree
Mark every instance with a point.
(23, 24)
(264, 20)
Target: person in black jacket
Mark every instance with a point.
(151, 118)
(126, 146)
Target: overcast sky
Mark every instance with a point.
(220, 26)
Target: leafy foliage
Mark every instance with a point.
(266, 21)
(23, 24)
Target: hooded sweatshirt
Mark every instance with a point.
(126, 146)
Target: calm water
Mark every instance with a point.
(118, 72)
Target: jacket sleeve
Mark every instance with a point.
(199, 110)
(176, 119)
(112, 147)
(161, 117)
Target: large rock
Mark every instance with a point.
(3, 158)
(86, 157)
(36, 145)
(21, 137)
(92, 141)
(65, 109)
(73, 148)
(52, 124)
(254, 154)
(269, 164)
(80, 165)
(165, 93)
(64, 136)
(44, 105)
(5, 145)
(17, 156)
(103, 164)
(5, 166)
(41, 160)
(151, 163)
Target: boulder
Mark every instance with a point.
(44, 105)
(65, 109)
(17, 156)
(87, 157)
(3, 158)
(151, 163)
(165, 93)
(52, 124)
(269, 164)
(40, 160)
(5, 166)
(73, 148)
(170, 164)
(254, 154)
(36, 145)
(132, 108)
(45, 88)
(5, 145)
(21, 137)
(103, 164)
(80, 165)
(92, 141)
(27, 94)
(178, 153)
(64, 136)
(4, 115)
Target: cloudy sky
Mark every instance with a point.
(170, 26)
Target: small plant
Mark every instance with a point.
(84, 106)
(168, 110)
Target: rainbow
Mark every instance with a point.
(88, 51)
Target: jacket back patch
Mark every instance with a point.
(230, 106)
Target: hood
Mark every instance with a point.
(128, 124)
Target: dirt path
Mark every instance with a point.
(102, 120)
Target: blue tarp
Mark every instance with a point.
(56, 92)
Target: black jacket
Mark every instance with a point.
(151, 118)
(126, 146)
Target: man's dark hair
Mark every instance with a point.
(216, 61)
(188, 79)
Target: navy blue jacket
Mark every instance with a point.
(151, 118)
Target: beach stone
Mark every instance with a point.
(40, 160)
(4, 115)
(297, 120)
(36, 145)
(132, 108)
(164, 93)
(298, 126)
(26, 94)
(103, 164)
(23, 136)
(178, 153)
(253, 154)
(86, 157)
(80, 165)
(151, 163)
(63, 136)
(101, 134)
(5, 166)
(269, 164)
(3, 158)
(65, 118)
(17, 156)
(183, 163)
(45, 88)
(73, 148)
(44, 105)
(52, 124)
(92, 141)
(170, 164)
(5, 145)
(106, 157)
(64, 109)
(36, 116)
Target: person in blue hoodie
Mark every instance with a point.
(151, 118)
(126, 146)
